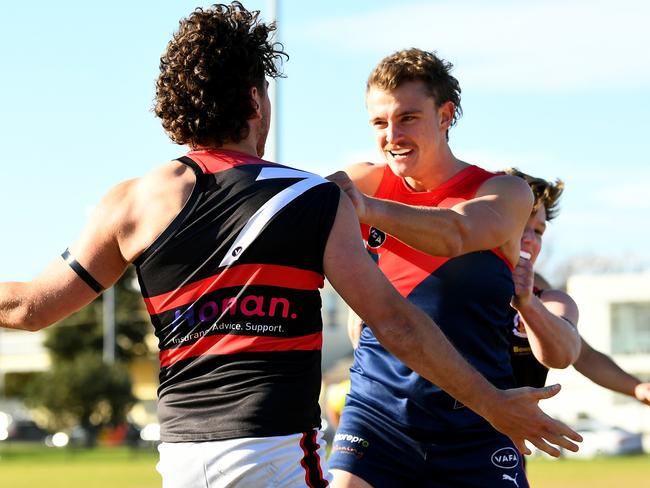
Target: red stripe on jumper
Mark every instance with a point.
(311, 461)
(231, 344)
(242, 275)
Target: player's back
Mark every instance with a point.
(232, 289)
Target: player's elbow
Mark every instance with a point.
(561, 358)
(25, 319)
(23, 316)
(557, 362)
(395, 332)
(34, 324)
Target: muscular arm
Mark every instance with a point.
(58, 291)
(411, 336)
(550, 320)
(114, 235)
(602, 370)
(493, 219)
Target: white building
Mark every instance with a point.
(614, 319)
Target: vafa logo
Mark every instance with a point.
(506, 458)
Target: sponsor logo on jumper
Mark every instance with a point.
(519, 330)
(506, 458)
(226, 327)
(237, 251)
(351, 438)
(376, 238)
(458, 405)
(248, 306)
(510, 478)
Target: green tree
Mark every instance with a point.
(83, 391)
(83, 330)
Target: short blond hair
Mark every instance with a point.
(418, 65)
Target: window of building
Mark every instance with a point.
(630, 328)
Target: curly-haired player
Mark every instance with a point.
(231, 251)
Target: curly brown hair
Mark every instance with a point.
(545, 192)
(418, 65)
(210, 65)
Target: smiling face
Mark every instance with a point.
(531, 240)
(410, 129)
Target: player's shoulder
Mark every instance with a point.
(555, 295)
(569, 308)
(170, 173)
(366, 176)
(129, 200)
(510, 186)
(167, 179)
(541, 283)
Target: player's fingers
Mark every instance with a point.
(642, 393)
(560, 428)
(546, 392)
(521, 446)
(542, 445)
(560, 441)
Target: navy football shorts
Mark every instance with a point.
(369, 445)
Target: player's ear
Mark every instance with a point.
(446, 115)
(256, 102)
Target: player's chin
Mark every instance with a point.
(401, 166)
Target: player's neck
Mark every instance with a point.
(245, 147)
(438, 172)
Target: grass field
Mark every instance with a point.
(24, 466)
(28, 466)
(613, 472)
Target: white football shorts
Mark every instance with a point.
(291, 461)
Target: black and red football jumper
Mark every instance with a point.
(232, 287)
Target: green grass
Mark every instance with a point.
(30, 466)
(611, 472)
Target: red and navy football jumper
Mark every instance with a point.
(232, 289)
(399, 429)
(467, 296)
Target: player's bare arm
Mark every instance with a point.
(550, 319)
(411, 335)
(602, 370)
(495, 218)
(355, 326)
(115, 234)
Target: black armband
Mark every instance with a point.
(81, 272)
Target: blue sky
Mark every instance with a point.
(556, 88)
